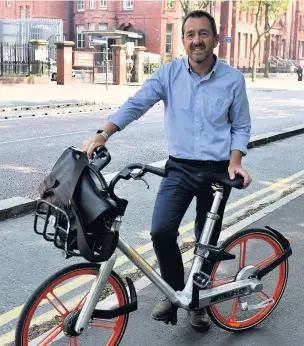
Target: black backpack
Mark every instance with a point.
(75, 202)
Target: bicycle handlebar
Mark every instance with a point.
(126, 174)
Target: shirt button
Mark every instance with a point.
(196, 138)
(197, 101)
(196, 119)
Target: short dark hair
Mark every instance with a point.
(200, 14)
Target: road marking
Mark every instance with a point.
(49, 115)
(280, 186)
(43, 137)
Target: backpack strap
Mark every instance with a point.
(82, 243)
(80, 165)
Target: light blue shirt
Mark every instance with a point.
(205, 118)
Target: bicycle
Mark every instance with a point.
(201, 290)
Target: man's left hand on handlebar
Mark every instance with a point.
(100, 139)
(91, 144)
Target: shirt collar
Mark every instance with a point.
(212, 70)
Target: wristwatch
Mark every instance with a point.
(103, 134)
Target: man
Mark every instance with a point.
(207, 124)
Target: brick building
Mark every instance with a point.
(15, 9)
(159, 22)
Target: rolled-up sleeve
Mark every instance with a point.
(151, 92)
(240, 118)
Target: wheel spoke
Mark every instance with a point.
(73, 341)
(57, 303)
(98, 325)
(81, 301)
(222, 281)
(266, 261)
(234, 309)
(51, 336)
(243, 248)
(264, 293)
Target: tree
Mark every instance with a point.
(270, 9)
(190, 5)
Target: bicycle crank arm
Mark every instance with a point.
(247, 307)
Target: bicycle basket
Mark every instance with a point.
(76, 212)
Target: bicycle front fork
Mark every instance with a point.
(94, 294)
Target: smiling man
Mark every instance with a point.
(207, 124)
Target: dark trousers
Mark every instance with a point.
(173, 199)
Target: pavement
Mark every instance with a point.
(12, 96)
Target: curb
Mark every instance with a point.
(57, 111)
(59, 105)
(11, 207)
(275, 136)
(16, 206)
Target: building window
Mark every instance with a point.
(8, 3)
(245, 44)
(128, 4)
(80, 5)
(169, 31)
(170, 4)
(28, 12)
(91, 28)
(302, 48)
(103, 26)
(22, 12)
(283, 49)
(104, 4)
(92, 4)
(80, 36)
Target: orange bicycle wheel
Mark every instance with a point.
(257, 247)
(42, 319)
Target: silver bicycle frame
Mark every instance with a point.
(180, 298)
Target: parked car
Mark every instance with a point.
(53, 71)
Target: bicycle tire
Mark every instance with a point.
(40, 291)
(228, 243)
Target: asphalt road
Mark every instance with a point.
(28, 260)
(29, 147)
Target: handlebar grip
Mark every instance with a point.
(157, 171)
(102, 158)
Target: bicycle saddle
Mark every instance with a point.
(223, 178)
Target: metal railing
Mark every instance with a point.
(15, 59)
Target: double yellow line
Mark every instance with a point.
(278, 187)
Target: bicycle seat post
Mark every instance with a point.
(211, 219)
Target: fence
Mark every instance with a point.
(93, 66)
(15, 59)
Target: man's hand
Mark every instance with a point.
(234, 169)
(93, 143)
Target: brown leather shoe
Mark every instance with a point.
(199, 320)
(162, 310)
